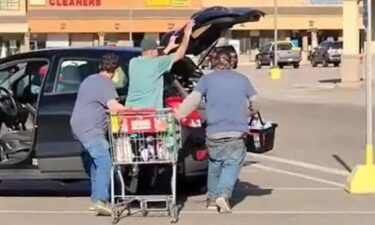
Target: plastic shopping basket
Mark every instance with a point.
(260, 139)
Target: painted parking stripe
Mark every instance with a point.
(44, 212)
(291, 188)
(312, 212)
(192, 212)
(324, 181)
(301, 164)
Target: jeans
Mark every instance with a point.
(100, 168)
(225, 162)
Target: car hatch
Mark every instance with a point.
(211, 24)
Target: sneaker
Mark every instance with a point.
(223, 203)
(102, 209)
(210, 204)
(92, 208)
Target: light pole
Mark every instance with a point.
(130, 22)
(275, 32)
(361, 180)
(369, 84)
(275, 71)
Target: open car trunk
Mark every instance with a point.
(211, 24)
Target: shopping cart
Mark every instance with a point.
(138, 137)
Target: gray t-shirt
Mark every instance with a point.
(89, 118)
(227, 96)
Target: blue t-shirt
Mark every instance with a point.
(89, 117)
(227, 95)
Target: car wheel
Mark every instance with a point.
(258, 64)
(313, 63)
(296, 66)
(336, 64)
(281, 66)
(325, 62)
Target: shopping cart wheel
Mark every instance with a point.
(144, 208)
(125, 207)
(116, 213)
(173, 212)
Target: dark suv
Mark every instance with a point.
(38, 91)
(328, 52)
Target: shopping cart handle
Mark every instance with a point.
(135, 111)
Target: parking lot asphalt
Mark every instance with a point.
(319, 141)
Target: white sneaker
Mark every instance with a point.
(101, 208)
(92, 208)
(223, 203)
(210, 204)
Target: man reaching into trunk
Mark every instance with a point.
(146, 80)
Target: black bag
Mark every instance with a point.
(260, 140)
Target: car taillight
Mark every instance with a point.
(193, 120)
(201, 155)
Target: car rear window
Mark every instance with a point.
(284, 46)
(337, 45)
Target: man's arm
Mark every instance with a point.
(165, 62)
(254, 105)
(115, 107)
(171, 45)
(180, 53)
(189, 104)
(252, 95)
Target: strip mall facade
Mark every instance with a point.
(36, 24)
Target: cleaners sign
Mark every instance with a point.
(73, 3)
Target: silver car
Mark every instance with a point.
(287, 55)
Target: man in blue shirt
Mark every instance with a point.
(97, 94)
(229, 96)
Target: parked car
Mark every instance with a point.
(39, 90)
(328, 52)
(207, 60)
(287, 55)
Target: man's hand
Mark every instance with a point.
(189, 28)
(180, 53)
(115, 107)
(171, 44)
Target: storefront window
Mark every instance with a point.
(10, 4)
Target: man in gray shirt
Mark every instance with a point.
(97, 94)
(229, 96)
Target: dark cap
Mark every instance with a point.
(148, 43)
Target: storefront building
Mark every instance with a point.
(13, 27)
(59, 23)
(55, 23)
(97, 22)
